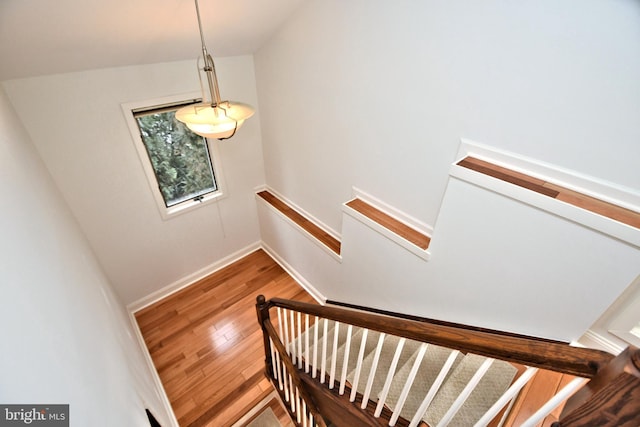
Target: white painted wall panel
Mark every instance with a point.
(377, 95)
(77, 125)
(65, 335)
(496, 263)
(310, 264)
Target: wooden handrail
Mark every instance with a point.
(270, 332)
(611, 398)
(543, 354)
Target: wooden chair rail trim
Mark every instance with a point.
(527, 351)
(390, 223)
(303, 222)
(558, 192)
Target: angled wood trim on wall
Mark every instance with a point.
(393, 225)
(307, 225)
(558, 192)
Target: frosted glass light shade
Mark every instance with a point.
(220, 122)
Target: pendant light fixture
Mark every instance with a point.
(213, 118)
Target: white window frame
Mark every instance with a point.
(214, 154)
(626, 320)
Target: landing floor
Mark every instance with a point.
(206, 343)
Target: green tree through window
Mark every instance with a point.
(179, 157)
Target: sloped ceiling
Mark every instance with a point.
(40, 37)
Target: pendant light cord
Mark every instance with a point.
(209, 66)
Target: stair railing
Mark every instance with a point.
(284, 375)
(292, 350)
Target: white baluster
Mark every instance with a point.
(280, 324)
(306, 345)
(293, 332)
(273, 360)
(356, 378)
(434, 388)
(286, 331)
(292, 400)
(372, 372)
(464, 394)
(278, 369)
(314, 365)
(334, 355)
(390, 374)
(305, 415)
(298, 411)
(299, 340)
(345, 362)
(285, 379)
(407, 385)
(311, 421)
(507, 396)
(556, 400)
(323, 362)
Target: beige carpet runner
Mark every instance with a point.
(492, 385)
(266, 419)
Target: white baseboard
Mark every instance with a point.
(154, 373)
(191, 278)
(321, 299)
(593, 339)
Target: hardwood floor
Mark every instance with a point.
(206, 343)
(207, 346)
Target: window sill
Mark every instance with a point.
(187, 206)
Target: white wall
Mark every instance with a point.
(65, 336)
(377, 95)
(313, 265)
(78, 127)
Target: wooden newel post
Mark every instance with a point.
(262, 310)
(611, 398)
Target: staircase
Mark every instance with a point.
(335, 366)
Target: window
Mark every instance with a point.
(181, 169)
(636, 330)
(624, 315)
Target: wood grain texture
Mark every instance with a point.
(206, 343)
(341, 412)
(556, 357)
(414, 236)
(542, 387)
(557, 192)
(526, 351)
(611, 398)
(306, 224)
(507, 175)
